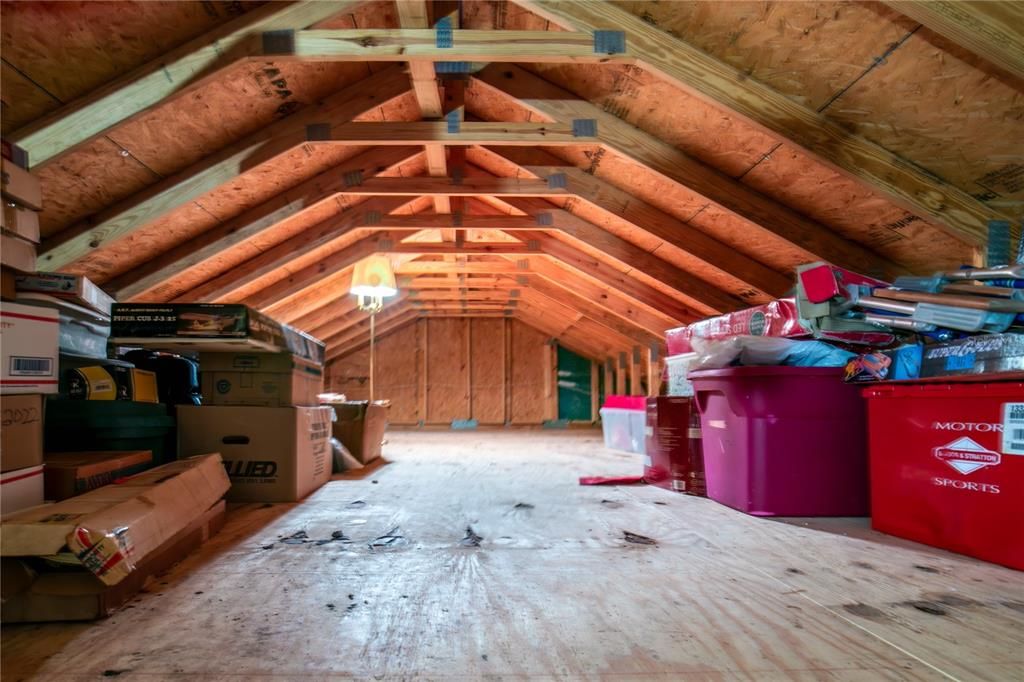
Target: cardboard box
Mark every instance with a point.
(16, 253)
(75, 288)
(20, 221)
(20, 489)
(208, 327)
(272, 454)
(28, 349)
(112, 529)
(8, 289)
(260, 380)
(20, 186)
(360, 428)
(981, 354)
(673, 460)
(34, 596)
(21, 431)
(75, 473)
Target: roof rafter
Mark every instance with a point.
(680, 63)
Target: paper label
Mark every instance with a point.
(1013, 428)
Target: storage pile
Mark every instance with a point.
(855, 396)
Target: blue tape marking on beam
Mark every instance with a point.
(545, 219)
(513, 293)
(454, 120)
(522, 280)
(557, 181)
(452, 67)
(555, 424)
(279, 42)
(609, 42)
(385, 244)
(522, 264)
(654, 352)
(318, 132)
(584, 127)
(464, 424)
(444, 33)
(373, 217)
(353, 178)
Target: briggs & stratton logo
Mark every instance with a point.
(966, 456)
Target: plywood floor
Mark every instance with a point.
(552, 592)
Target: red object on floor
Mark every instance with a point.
(947, 466)
(611, 480)
(674, 460)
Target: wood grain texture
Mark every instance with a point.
(264, 145)
(448, 371)
(528, 404)
(721, 83)
(993, 30)
(487, 374)
(173, 74)
(721, 595)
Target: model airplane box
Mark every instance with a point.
(108, 532)
(208, 327)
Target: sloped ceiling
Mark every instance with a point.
(607, 171)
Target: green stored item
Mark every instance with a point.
(83, 425)
(573, 386)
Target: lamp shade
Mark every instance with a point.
(373, 276)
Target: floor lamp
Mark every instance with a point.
(372, 281)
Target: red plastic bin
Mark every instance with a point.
(947, 466)
(783, 441)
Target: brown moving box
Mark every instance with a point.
(31, 596)
(272, 454)
(360, 428)
(20, 221)
(260, 380)
(74, 473)
(16, 253)
(112, 529)
(21, 431)
(20, 186)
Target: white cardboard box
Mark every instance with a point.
(21, 489)
(28, 348)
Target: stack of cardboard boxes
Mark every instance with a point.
(260, 381)
(19, 220)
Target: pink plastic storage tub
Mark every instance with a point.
(783, 441)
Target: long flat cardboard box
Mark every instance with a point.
(76, 473)
(31, 596)
(111, 529)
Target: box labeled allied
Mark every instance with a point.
(110, 530)
(75, 473)
(208, 327)
(21, 431)
(260, 379)
(28, 349)
(272, 454)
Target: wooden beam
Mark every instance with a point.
(417, 267)
(704, 76)
(555, 134)
(635, 373)
(222, 287)
(167, 77)
(595, 392)
(991, 30)
(654, 369)
(147, 278)
(818, 241)
(129, 215)
(464, 187)
(609, 376)
(358, 341)
(358, 321)
(420, 46)
(620, 375)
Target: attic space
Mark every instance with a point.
(512, 339)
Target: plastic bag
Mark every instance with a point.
(342, 459)
(762, 350)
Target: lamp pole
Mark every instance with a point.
(373, 315)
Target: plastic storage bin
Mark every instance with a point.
(623, 422)
(947, 465)
(783, 441)
(82, 425)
